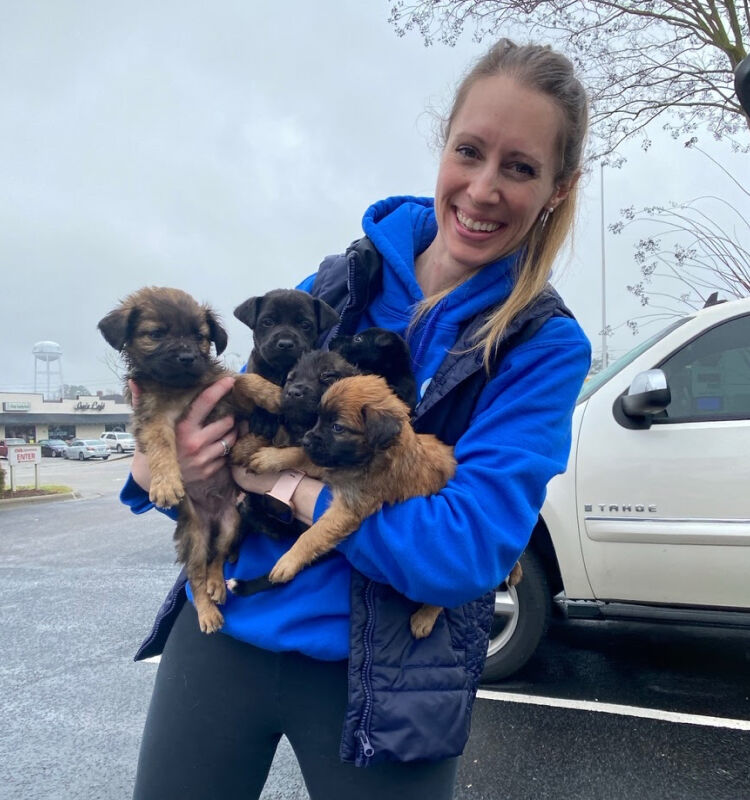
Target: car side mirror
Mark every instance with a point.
(647, 395)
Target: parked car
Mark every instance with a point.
(4, 445)
(651, 521)
(118, 441)
(53, 447)
(83, 449)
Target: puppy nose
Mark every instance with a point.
(186, 359)
(284, 344)
(295, 391)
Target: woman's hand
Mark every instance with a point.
(200, 448)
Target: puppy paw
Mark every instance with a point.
(423, 621)
(516, 574)
(210, 619)
(285, 569)
(245, 447)
(267, 459)
(166, 492)
(217, 589)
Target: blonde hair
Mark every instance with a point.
(543, 70)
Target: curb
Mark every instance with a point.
(42, 498)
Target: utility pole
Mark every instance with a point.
(605, 359)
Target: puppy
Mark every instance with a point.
(165, 337)
(364, 448)
(285, 323)
(377, 351)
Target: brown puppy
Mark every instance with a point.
(165, 337)
(364, 448)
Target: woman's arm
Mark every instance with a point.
(452, 547)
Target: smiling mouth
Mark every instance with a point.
(474, 225)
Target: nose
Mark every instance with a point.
(296, 390)
(284, 344)
(484, 188)
(186, 359)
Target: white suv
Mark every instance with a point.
(651, 521)
(118, 441)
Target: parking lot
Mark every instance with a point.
(602, 710)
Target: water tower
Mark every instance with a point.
(46, 356)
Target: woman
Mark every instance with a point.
(499, 361)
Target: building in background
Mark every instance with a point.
(32, 418)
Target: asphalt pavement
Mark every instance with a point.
(602, 712)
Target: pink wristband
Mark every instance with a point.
(286, 486)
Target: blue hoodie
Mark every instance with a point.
(453, 547)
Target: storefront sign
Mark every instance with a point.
(24, 454)
(95, 405)
(14, 405)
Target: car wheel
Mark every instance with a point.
(119, 448)
(81, 457)
(104, 458)
(522, 614)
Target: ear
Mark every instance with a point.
(248, 311)
(117, 325)
(327, 317)
(562, 190)
(381, 428)
(218, 334)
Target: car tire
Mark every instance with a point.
(522, 615)
(104, 458)
(119, 448)
(81, 457)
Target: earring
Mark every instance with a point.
(550, 209)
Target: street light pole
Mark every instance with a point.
(605, 359)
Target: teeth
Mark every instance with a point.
(473, 225)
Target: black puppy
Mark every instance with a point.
(377, 351)
(285, 323)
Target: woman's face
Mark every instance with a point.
(497, 172)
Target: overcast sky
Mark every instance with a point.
(225, 148)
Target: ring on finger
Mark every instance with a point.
(226, 447)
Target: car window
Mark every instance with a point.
(709, 378)
(597, 381)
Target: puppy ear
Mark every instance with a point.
(381, 428)
(327, 317)
(117, 326)
(248, 311)
(218, 334)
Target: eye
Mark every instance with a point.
(357, 339)
(268, 322)
(329, 377)
(336, 428)
(522, 170)
(305, 324)
(467, 151)
(157, 334)
(199, 337)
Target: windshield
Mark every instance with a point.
(594, 382)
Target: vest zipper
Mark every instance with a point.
(365, 750)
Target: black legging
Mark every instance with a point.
(220, 706)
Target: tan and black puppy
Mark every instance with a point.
(364, 447)
(165, 337)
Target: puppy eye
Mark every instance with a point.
(336, 428)
(157, 334)
(306, 325)
(199, 337)
(268, 322)
(357, 339)
(329, 377)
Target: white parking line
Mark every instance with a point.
(614, 708)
